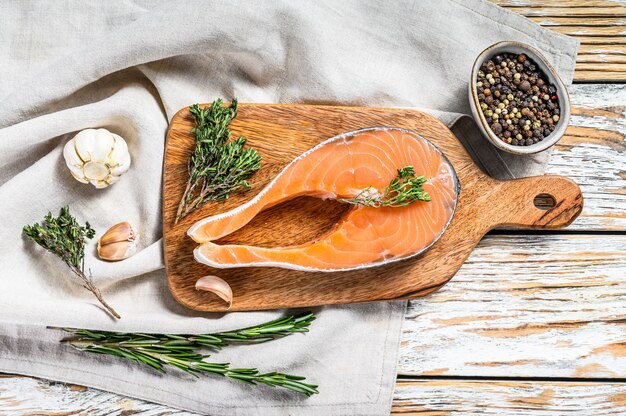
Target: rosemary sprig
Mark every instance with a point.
(181, 351)
(217, 167)
(64, 237)
(403, 190)
(253, 335)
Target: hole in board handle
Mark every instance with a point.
(544, 201)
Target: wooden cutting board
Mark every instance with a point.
(282, 132)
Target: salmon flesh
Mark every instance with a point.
(341, 168)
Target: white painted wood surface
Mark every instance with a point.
(593, 153)
(598, 24)
(25, 396)
(452, 397)
(524, 305)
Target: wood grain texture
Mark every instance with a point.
(25, 396)
(598, 24)
(525, 306)
(593, 153)
(511, 398)
(282, 132)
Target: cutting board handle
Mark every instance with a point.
(548, 201)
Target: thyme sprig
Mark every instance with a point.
(403, 190)
(217, 167)
(181, 351)
(64, 237)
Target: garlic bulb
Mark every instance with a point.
(118, 243)
(97, 156)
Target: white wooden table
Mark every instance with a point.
(535, 322)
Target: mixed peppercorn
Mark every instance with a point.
(517, 100)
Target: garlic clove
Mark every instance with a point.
(119, 170)
(122, 166)
(116, 251)
(122, 231)
(80, 178)
(118, 243)
(102, 145)
(111, 180)
(78, 173)
(94, 144)
(217, 286)
(74, 162)
(99, 184)
(119, 152)
(71, 157)
(83, 143)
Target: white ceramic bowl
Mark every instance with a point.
(553, 78)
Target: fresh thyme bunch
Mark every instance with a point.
(181, 351)
(217, 167)
(64, 237)
(403, 190)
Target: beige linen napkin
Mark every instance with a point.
(129, 66)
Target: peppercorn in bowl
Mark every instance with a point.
(517, 98)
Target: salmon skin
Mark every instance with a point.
(342, 167)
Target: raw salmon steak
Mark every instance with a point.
(342, 167)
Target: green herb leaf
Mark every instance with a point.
(64, 237)
(181, 351)
(217, 167)
(403, 190)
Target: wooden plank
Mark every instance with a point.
(600, 76)
(602, 50)
(594, 58)
(550, 21)
(569, 8)
(582, 12)
(606, 54)
(603, 40)
(511, 398)
(598, 24)
(602, 69)
(599, 31)
(525, 306)
(593, 153)
(567, 4)
(26, 396)
(22, 396)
